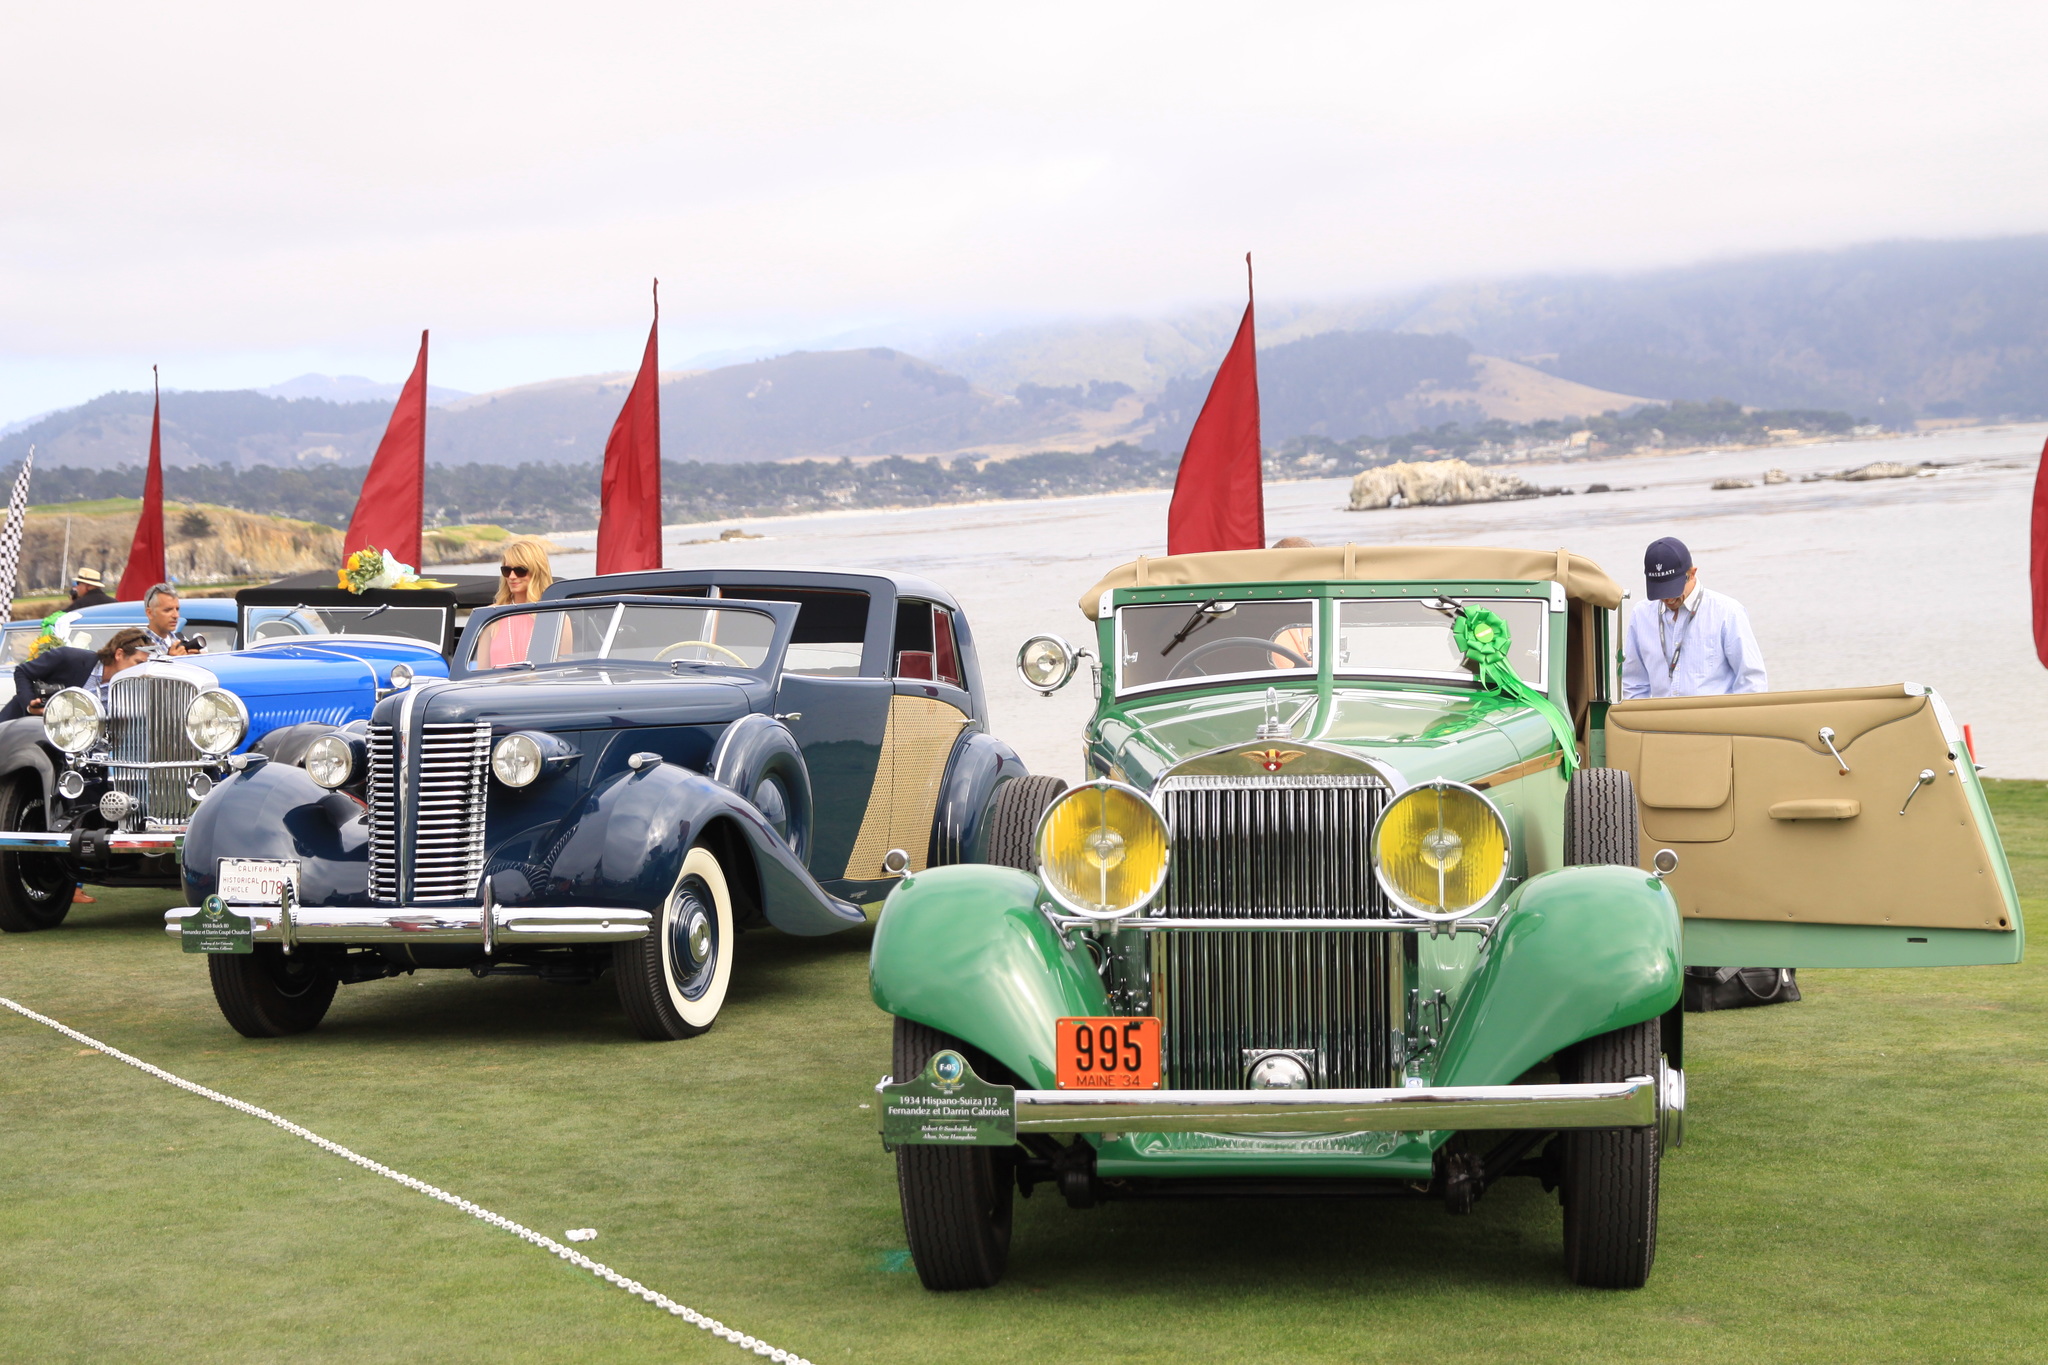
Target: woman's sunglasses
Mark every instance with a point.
(507, 570)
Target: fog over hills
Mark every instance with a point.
(1888, 331)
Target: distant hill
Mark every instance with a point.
(351, 388)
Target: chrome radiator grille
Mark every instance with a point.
(443, 813)
(146, 727)
(1279, 848)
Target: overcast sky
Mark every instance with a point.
(246, 192)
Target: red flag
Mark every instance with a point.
(1218, 502)
(146, 554)
(2040, 559)
(393, 501)
(629, 507)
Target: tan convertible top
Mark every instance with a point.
(1582, 578)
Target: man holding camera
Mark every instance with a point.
(160, 606)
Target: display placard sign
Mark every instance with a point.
(213, 928)
(947, 1105)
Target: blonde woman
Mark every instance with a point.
(523, 575)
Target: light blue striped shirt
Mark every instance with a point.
(1706, 650)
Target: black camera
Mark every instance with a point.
(195, 643)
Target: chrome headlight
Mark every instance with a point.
(215, 722)
(401, 677)
(1440, 850)
(517, 760)
(1046, 663)
(330, 761)
(1102, 850)
(73, 720)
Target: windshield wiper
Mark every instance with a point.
(1194, 620)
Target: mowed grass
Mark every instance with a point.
(1864, 1180)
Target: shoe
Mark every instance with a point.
(78, 897)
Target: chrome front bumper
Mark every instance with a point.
(485, 926)
(1625, 1104)
(74, 842)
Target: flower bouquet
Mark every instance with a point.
(370, 567)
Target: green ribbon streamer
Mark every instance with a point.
(1483, 637)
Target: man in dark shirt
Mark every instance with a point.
(88, 589)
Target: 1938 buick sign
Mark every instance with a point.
(1365, 839)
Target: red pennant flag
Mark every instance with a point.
(146, 554)
(393, 501)
(2040, 559)
(629, 506)
(1218, 501)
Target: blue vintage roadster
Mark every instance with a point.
(102, 785)
(621, 777)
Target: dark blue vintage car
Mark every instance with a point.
(101, 787)
(621, 777)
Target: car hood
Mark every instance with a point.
(1415, 734)
(586, 699)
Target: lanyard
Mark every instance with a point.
(1669, 655)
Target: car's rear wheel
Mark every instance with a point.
(673, 982)
(1600, 826)
(956, 1200)
(35, 888)
(1013, 818)
(1608, 1181)
(265, 994)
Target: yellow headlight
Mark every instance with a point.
(1102, 850)
(1440, 850)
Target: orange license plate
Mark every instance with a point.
(1109, 1054)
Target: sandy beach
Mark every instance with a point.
(1921, 579)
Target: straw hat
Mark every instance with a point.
(90, 577)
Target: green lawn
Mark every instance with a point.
(1865, 1180)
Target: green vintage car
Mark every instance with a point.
(1377, 888)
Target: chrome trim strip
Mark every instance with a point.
(1625, 1104)
(1473, 925)
(439, 923)
(116, 842)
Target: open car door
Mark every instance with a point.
(1842, 828)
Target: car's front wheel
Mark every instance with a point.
(35, 888)
(1608, 1183)
(956, 1200)
(266, 994)
(673, 982)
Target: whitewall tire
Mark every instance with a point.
(673, 982)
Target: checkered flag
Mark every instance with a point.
(10, 539)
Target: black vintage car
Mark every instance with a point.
(622, 776)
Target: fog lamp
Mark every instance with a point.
(1440, 850)
(1046, 662)
(1103, 850)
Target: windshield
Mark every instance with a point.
(1184, 642)
(15, 641)
(1399, 637)
(298, 622)
(703, 636)
(220, 639)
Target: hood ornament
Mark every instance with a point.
(1272, 727)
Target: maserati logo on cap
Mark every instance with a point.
(1273, 760)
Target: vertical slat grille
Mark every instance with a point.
(146, 725)
(443, 812)
(1285, 848)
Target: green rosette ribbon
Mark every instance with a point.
(1483, 637)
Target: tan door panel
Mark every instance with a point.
(916, 743)
(1806, 842)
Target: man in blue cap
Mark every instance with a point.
(1694, 642)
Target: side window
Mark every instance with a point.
(925, 648)
(831, 628)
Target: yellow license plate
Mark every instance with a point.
(1109, 1054)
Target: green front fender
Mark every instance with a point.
(965, 950)
(1578, 952)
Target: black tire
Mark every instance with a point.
(1600, 826)
(956, 1200)
(1013, 818)
(35, 888)
(266, 994)
(1608, 1180)
(674, 981)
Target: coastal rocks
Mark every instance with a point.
(1434, 483)
(1882, 469)
(1722, 484)
(1774, 476)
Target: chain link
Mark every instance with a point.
(569, 1254)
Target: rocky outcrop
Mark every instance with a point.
(1433, 483)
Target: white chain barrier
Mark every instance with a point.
(569, 1254)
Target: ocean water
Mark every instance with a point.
(1902, 580)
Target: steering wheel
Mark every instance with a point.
(699, 644)
(1270, 646)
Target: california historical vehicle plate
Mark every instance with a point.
(1109, 1054)
(213, 928)
(948, 1105)
(255, 881)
